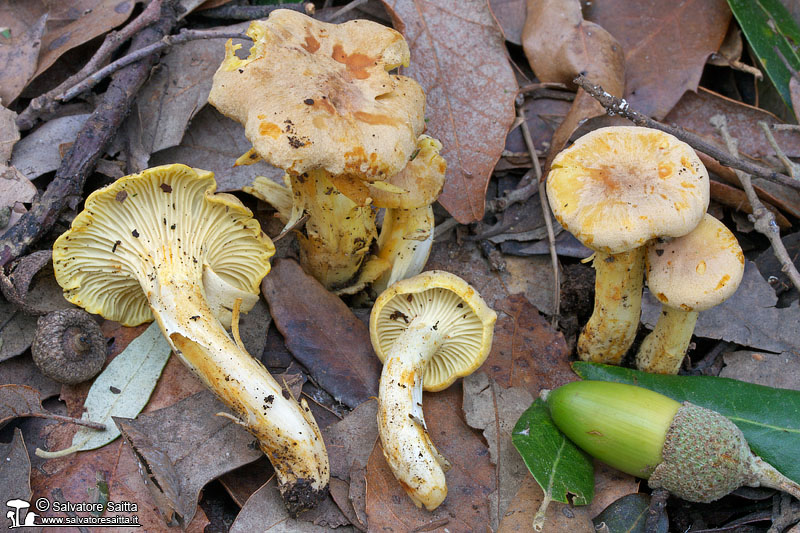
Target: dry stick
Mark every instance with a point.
(70, 420)
(352, 5)
(97, 132)
(551, 238)
(763, 219)
(46, 103)
(787, 163)
(165, 42)
(239, 12)
(785, 127)
(616, 106)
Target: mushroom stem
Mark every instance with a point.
(408, 449)
(663, 349)
(286, 430)
(617, 304)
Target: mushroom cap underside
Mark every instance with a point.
(697, 271)
(619, 187)
(314, 95)
(459, 313)
(165, 222)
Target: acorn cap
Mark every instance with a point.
(619, 187)
(314, 95)
(116, 244)
(465, 320)
(697, 271)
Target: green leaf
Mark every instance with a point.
(769, 26)
(6, 33)
(629, 515)
(122, 389)
(556, 463)
(768, 417)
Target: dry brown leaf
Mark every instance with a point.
(666, 46)
(246, 480)
(20, 53)
(469, 482)
(510, 14)
(781, 370)
(39, 152)
(559, 518)
(737, 199)
(9, 134)
(20, 370)
(15, 471)
(458, 55)
(352, 439)
(559, 45)
(16, 331)
(609, 485)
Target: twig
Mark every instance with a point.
(787, 163)
(444, 227)
(784, 514)
(531, 87)
(763, 219)
(785, 127)
(99, 129)
(240, 12)
(46, 103)
(352, 5)
(617, 106)
(70, 420)
(430, 526)
(165, 42)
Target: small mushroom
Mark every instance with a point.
(428, 331)
(688, 274)
(162, 245)
(69, 346)
(616, 189)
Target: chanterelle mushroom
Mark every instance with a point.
(428, 330)
(616, 189)
(688, 274)
(143, 248)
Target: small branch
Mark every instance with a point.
(70, 420)
(170, 40)
(785, 127)
(787, 163)
(617, 106)
(240, 12)
(46, 103)
(763, 219)
(350, 6)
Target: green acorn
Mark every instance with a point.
(693, 452)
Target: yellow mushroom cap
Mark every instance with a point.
(617, 188)
(166, 217)
(463, 317)
(314, 95)
(697, 271)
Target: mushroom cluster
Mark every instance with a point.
(162, 245)
(629, 193)
(317, 100)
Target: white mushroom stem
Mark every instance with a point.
(286, 430)
(663, 349)
(617, 305)
(408, 449)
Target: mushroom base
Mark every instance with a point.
(611, 329)
(663, 350)
(300, 495)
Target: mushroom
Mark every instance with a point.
(317, 100)
(144, 247)
(688, 274)
(428, 331)
(615, 190)
(69, 346)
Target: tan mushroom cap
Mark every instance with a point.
(617, 188)
(166, 217)
(313, 95)
(465, 319)
(696, 271)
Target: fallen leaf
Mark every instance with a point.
(87, 20)
(559, 45)
(265, 512)
(494, 410)
(340, 491)
(458, 56)
(9, 134)
(253, 327)
(21, 401)
(772, 270)
(326, 514)
(33, 285)
(610, 484)
(694, 111)
(322, 334)
(469, 482)
(510, 14)
(666, 46)
(214, 142)
(748, 318)
(737, 199)
(629, 514)
(121, 390)
(38, 153)
(543, 115)
(533, 277)
(14, 187)
(208, 446)
(174, 94)
(15, 471)
(16, 331)
(779, 370)
(19, 56)
(352, 439)
(246, 480)
(20, 370)
(559, 518)
(566, 245)
(358, 493)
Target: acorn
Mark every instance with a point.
(695, 453)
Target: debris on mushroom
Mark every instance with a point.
(687, 275)
(616, 189)
(69, 346)
(161, 244)
(428, 331)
